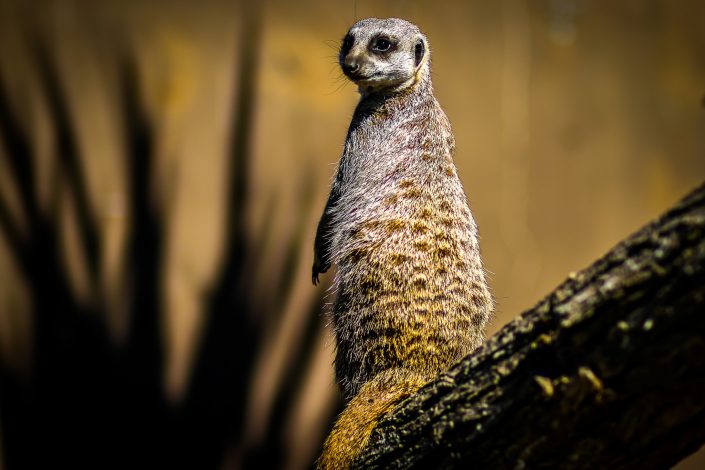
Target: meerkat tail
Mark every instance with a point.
(352, 430)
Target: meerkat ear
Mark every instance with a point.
(419, 51)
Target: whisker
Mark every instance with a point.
(343, 81)
(333, 44)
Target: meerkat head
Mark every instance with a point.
(384, 55)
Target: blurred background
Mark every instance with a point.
(163, 165)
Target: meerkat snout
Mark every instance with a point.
(350, 67)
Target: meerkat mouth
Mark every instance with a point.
(357, 78)
(374, 81)
(371, 85)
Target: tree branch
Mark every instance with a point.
(608, 371)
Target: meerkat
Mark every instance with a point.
(411, 294)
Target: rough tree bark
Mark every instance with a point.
(608, 371)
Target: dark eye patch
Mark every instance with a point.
(382, 44)
(348, 42)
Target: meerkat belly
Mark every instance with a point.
(415, 287)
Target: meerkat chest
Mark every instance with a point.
(383, 147)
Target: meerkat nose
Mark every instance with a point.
(350, 66)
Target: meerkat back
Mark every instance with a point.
(411, 295)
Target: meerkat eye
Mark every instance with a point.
(381, 44)
(348, 42)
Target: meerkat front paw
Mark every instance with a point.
(318, 268)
